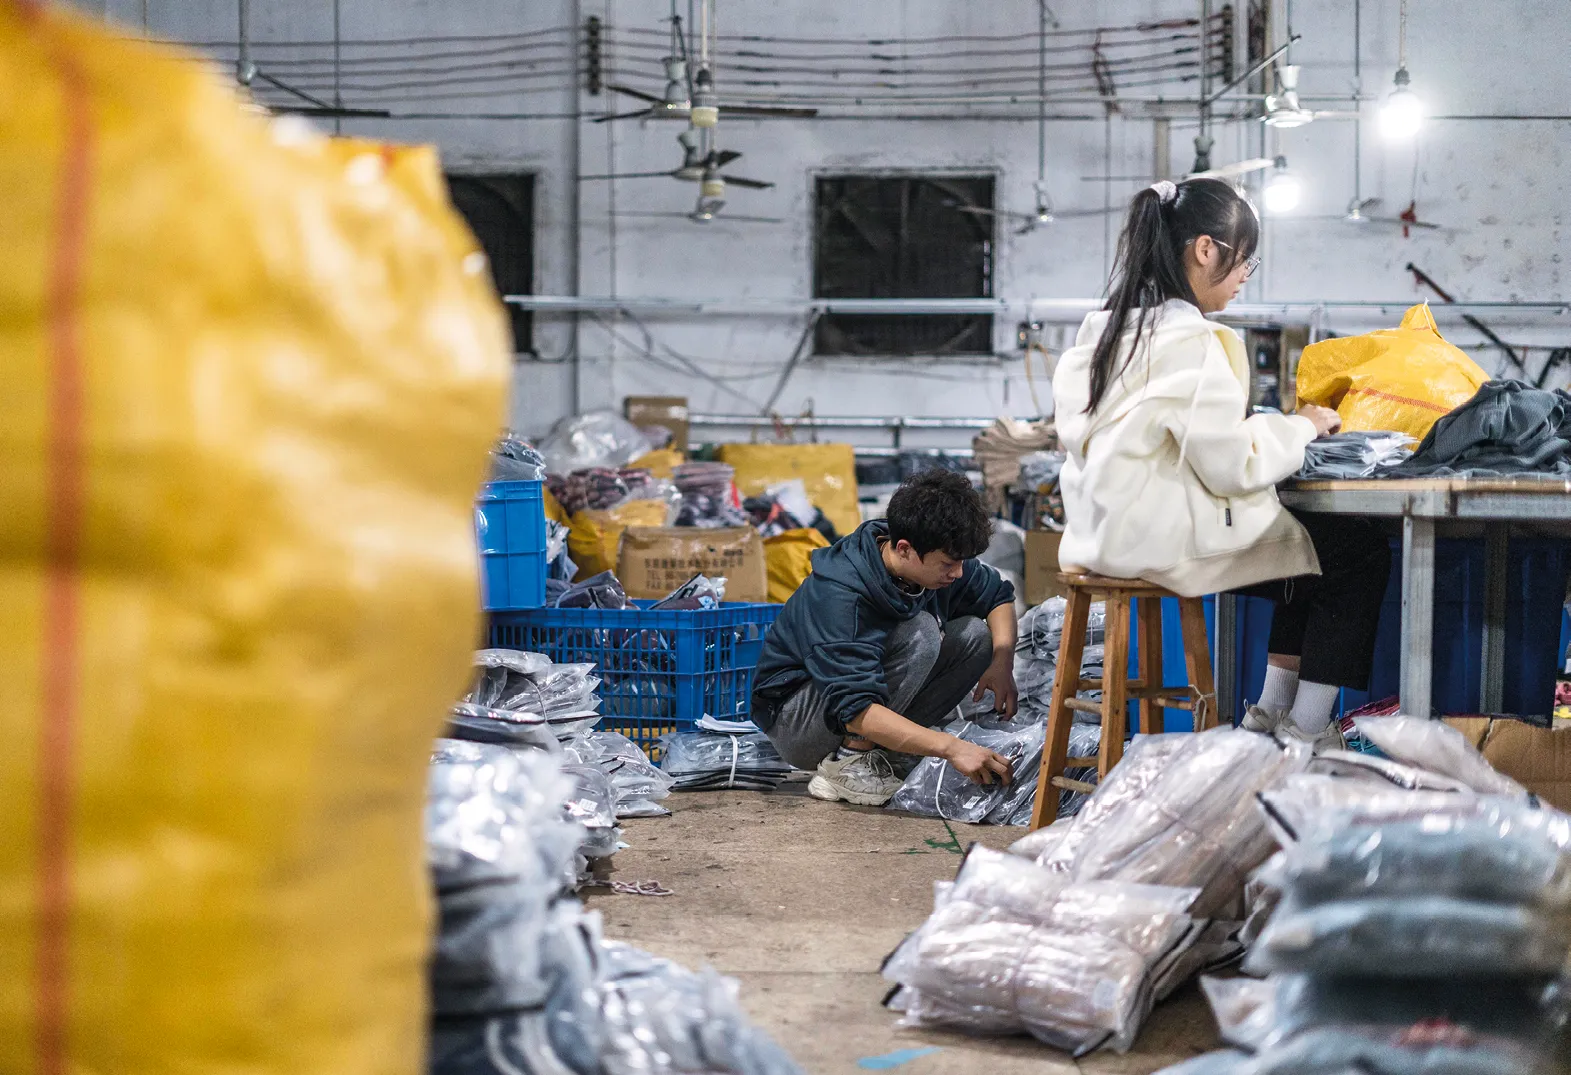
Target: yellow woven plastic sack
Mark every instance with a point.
(789, 560)
(1404, 379)
(827, 470)
(249, 380)
(662, 462)
(595, 539)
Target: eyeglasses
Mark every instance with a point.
(1250, 264)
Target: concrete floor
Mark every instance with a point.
(801, 901)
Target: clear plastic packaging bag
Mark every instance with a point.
(598, 591)
(1413, 937)
(560, 689)
(698, 592)
(1351, 765)
(1221, 1062)
(1506, 854)
(482, 724)
(592, 804)
(514, 460)
(1301, 802)
(934, 788)
(600, 438)
(702, 761)
(1069, 961)
(1440, 748)
(1422, 1050)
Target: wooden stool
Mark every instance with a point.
(1117, 689)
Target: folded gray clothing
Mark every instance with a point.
(1413, 937)
(1508, 427)
(1356, 454)
(1423, 1051)
(483, 724)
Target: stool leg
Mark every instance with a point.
(1115, 684)
(1150, 618)
(1197, 656)
(1055, 751)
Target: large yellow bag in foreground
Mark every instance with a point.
(249, 380)
(1403, 379)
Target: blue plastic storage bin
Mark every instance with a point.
(1536, 579)
(510, 531)
(658, 670)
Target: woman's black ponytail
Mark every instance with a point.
(1150, 267)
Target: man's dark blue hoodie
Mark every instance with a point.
(833, 629)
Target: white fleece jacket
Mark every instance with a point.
(1170, 479)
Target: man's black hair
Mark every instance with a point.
(938, 509)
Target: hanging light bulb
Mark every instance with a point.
(1403, 113)
(1283, 190)
(712, 185)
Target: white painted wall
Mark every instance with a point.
(1498, 186)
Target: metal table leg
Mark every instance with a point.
(1225, 657)
(1497, 538)
(1418, 614)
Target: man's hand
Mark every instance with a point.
(978, 764)
(1000, 679)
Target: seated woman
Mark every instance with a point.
(1170, 479)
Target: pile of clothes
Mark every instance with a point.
(514, 459)
(1509, 427)
(786, 506)
(934, 788)
(602, 488)
(1119, 905)
(1036, 656)
(708, 496)
(1354, 454)
(521, 980)
(1415, 932)
(720, 754)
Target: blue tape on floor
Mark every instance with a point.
(894, 1059)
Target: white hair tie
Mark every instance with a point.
(1166, 191)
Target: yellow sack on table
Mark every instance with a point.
(789, 559)
(1404, 379)
(595, 539)
(828, 471)
(250, 378)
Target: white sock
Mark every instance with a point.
(842, 752)
(1280, 690)
(1313, 707)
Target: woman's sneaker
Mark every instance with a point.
(1329, 738)
(1264, 721)
(862, 778)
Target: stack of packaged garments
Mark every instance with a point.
(513, 459)
(709, 496)
(595, 439)
(1417, 933)
(722, 754)
(1013, 948)
(1177, 813)
(1355, 454)
(521, 980)
(532, 683)
(934, 788)
(638, 783)
(1036, 657)
(998, 450)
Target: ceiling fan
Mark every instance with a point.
(701, 163)
(690, 90)
(707, 211)
(1045, 214)
(1356, 215)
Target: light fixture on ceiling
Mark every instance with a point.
(1403, 113)
(1283, 109)
(1283, 191)
(706, 103)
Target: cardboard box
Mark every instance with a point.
(656, 560)
(1042, 566)
(663, 412)
(1537, 758)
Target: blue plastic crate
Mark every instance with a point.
(659, 670)
(511, 533)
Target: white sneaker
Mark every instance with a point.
(862, 779)
(1329, 738)
(1264, 721)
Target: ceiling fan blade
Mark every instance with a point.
(976, 210)
(642, 113)
(722, 157)
(640, 94)
(749, 184)
(630, 175)
(761, 110)
(1232, 171)
(1070, 214)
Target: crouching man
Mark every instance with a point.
(895, 626)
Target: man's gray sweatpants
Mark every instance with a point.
(929, 670)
